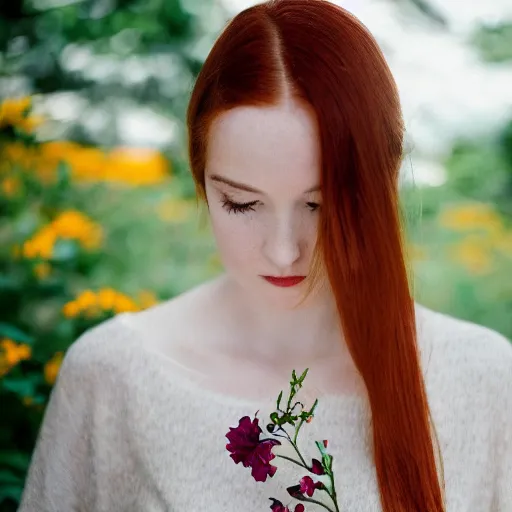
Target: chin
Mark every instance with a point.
(269, 295)
(285, 298)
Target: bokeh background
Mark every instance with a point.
(97, 208)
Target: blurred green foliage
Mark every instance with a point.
(494, 42)
(464, 233)
(81, 215)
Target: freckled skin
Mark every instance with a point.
(275, 150)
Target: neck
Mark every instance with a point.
(303, 335)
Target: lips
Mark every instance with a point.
(284, 281)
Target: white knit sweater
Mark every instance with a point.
(126, 431)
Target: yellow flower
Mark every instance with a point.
(474, 254)
(52, 367)
(14, 112)
(57, 150)
(90, 304)
(124, 303)
(475, 216)
(137, 166)
(134, 166)
(71, 225)
(147, 299)
(71, 309)
(87, 299)
(29, 124)
(14, 109)
(107, 298)
(41, 245)
(10, 186)
(15, 352)
(75, 225)
(11, 354)
(86, 163)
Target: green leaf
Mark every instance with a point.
(22, 387)
(9, 283)
(12, 332)
(11, 491)
(9, 478)
(15, 460)
(303, 376)
(279, 399)
(63, 174)
(321, 448)
(11, 484)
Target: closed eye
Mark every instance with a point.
(231, 206)
(313, 206)
(234, 207)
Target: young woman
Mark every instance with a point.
(296, 139)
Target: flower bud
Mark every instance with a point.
(316, 467)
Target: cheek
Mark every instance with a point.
(236, 237)
(240, 237)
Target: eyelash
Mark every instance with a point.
(231, 206)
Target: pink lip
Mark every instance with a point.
(284, 281)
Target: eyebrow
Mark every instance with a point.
(241, 186)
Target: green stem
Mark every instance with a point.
(296, 449)
(333, 495)
(304, 465)
(312, 410)
(292, 460)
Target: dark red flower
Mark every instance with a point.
(326, 442)
(246, 447)
(316, 467)
(277, 506)
(308, 486)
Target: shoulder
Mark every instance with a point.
(465, 358)
(465, 343)
(113, 348)
(92, 355)
(186, 320)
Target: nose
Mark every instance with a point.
(282, 245)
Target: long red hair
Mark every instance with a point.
(321, 54)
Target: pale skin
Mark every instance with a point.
(238, 324)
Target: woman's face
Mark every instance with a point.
(262, 180)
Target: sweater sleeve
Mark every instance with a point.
(503, 491)
(59, 476)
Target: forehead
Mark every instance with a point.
(264, 146)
